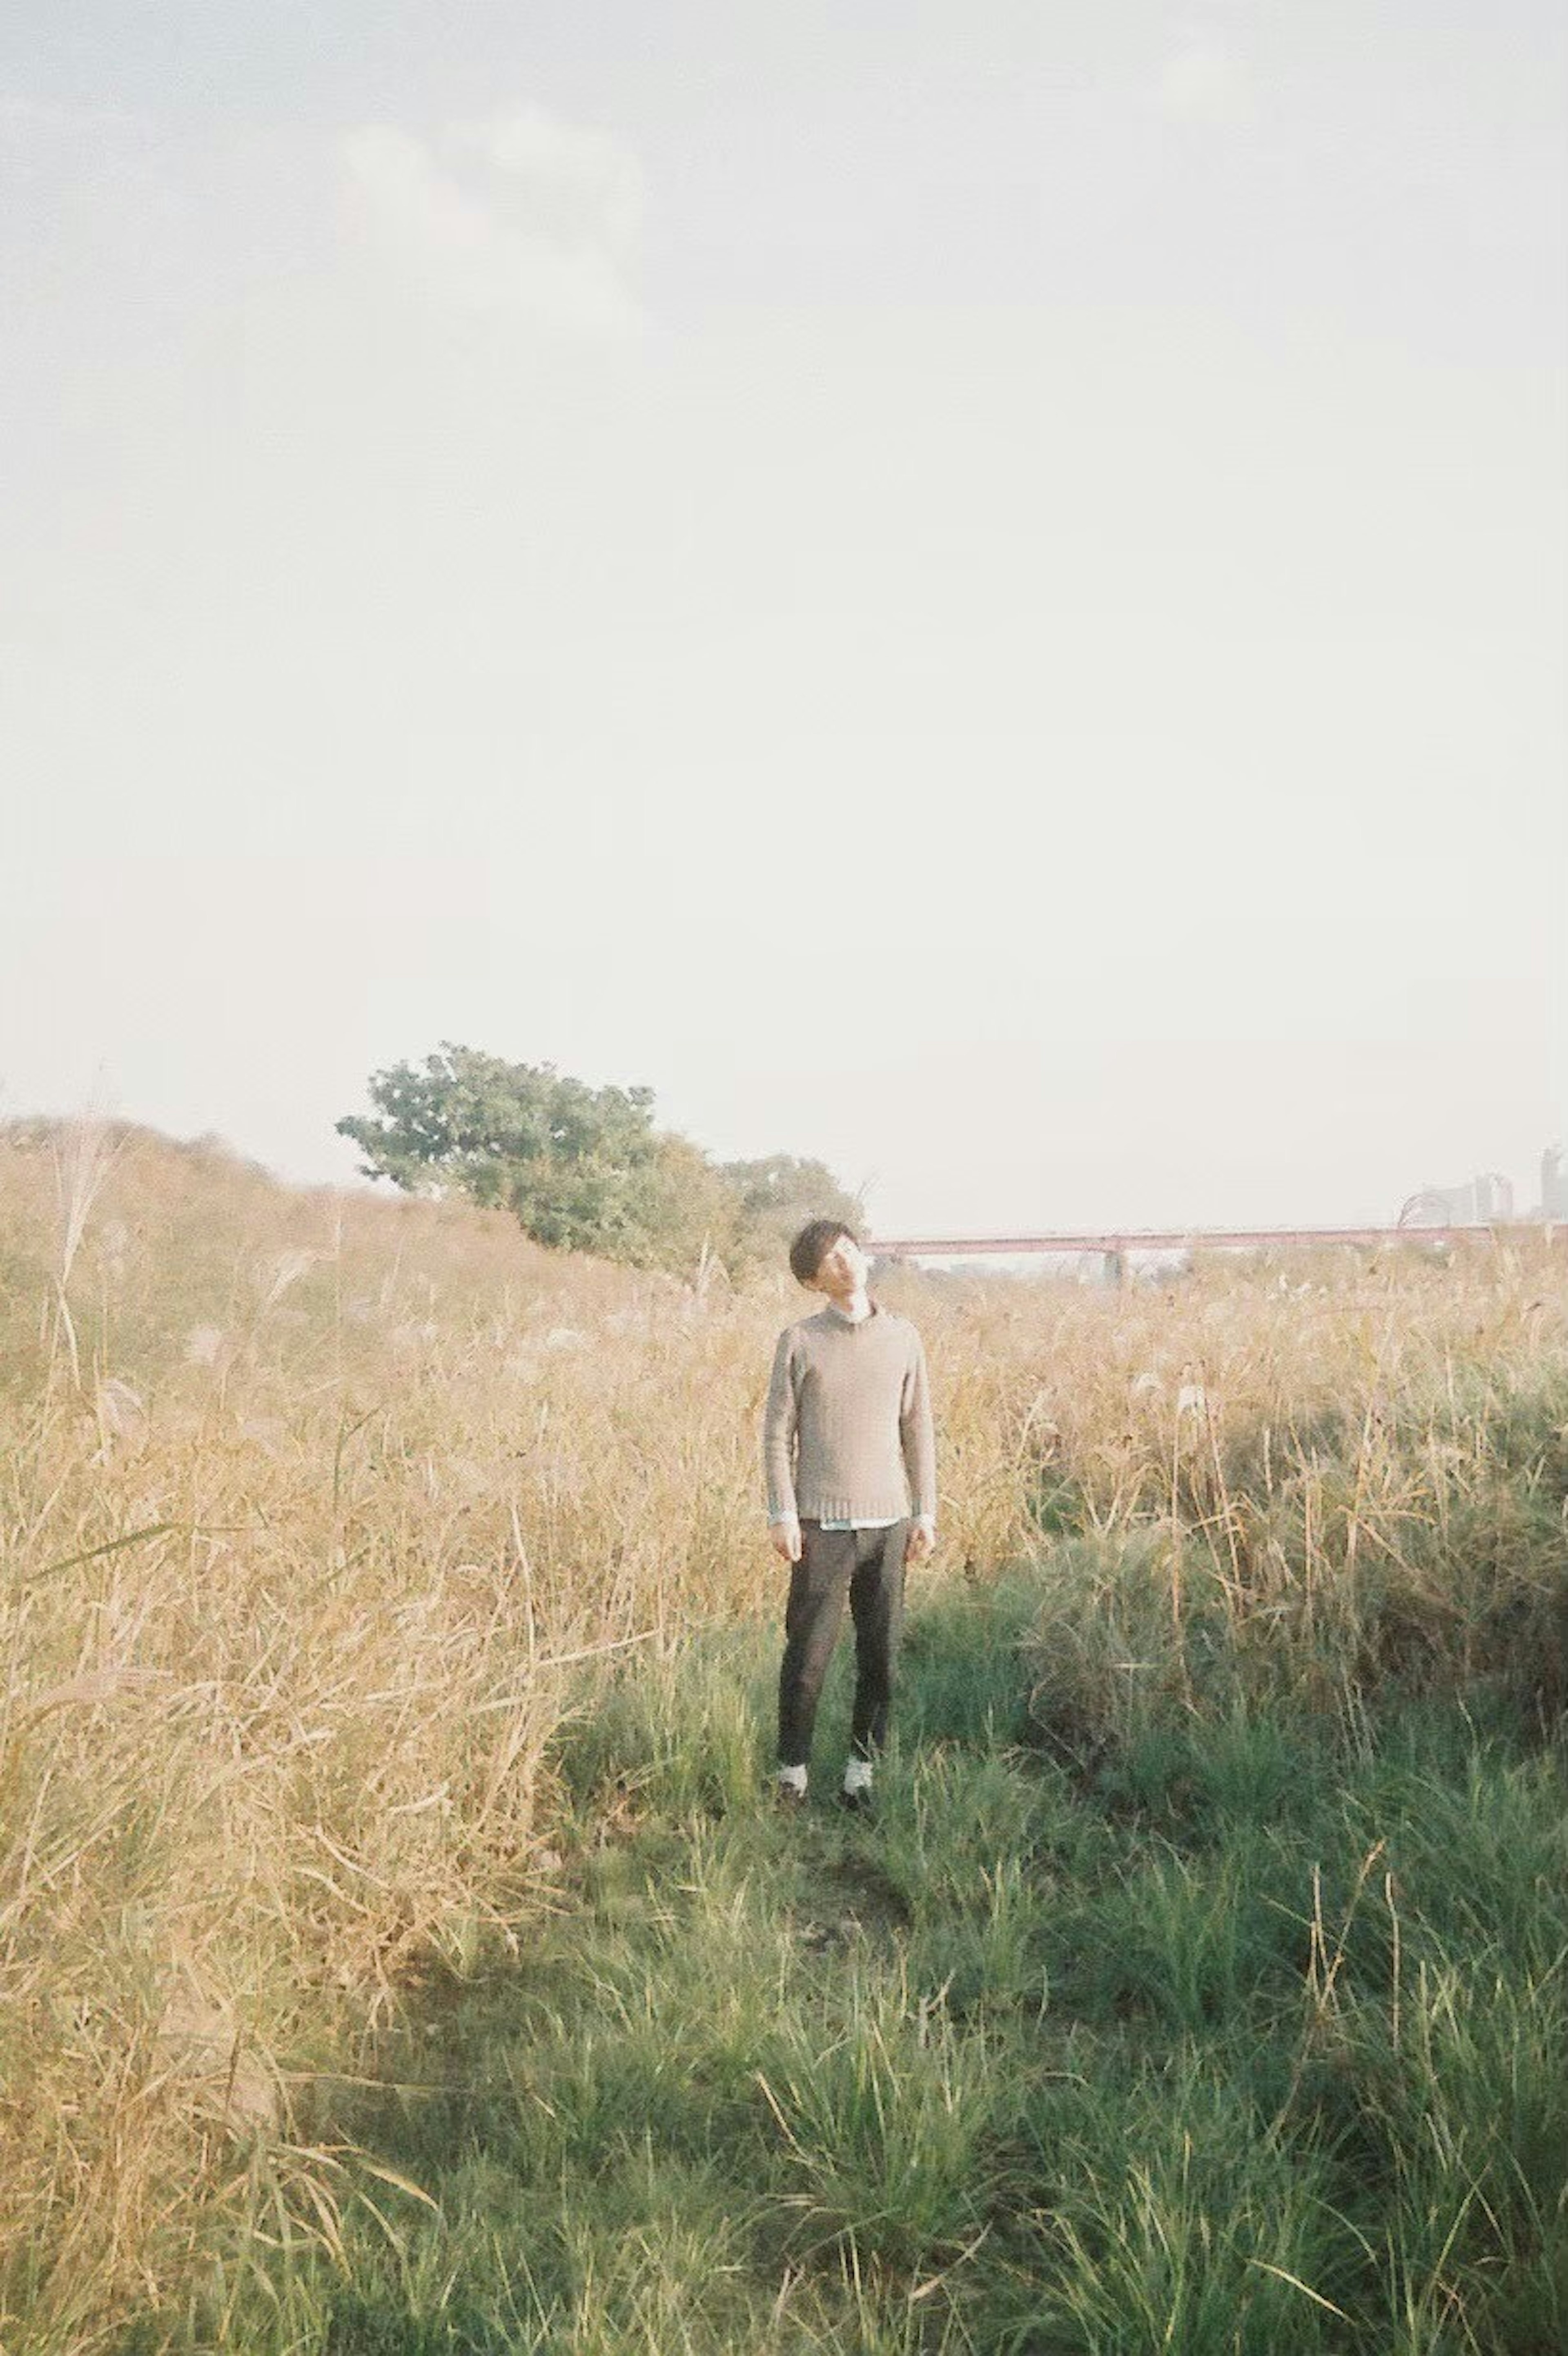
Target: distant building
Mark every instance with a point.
(1481, 1202)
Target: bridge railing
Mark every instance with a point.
(1112, 1243)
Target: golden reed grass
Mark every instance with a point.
(312, 1499)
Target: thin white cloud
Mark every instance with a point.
(1205, 81)
(519, 214)
(584, 183)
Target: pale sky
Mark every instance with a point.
(974, 591)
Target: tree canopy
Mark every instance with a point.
(582, 1168)
(778, 1195)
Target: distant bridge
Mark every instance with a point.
(1113, 1244)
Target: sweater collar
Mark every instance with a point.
(832, 1311)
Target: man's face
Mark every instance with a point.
(842, 1270)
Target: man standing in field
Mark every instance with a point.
(849, 1457)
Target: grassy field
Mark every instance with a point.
(398, 1954)
(1252, 2040)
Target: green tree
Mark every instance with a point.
(665, 1208)
(467, 1120)
(774, 1198)
(582, 1169)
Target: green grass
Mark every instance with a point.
(1240, 2030)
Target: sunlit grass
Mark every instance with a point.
(1015, 2069)
(318, 1510)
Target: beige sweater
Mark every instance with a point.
(847, 1433)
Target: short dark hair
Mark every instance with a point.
(812, 1245)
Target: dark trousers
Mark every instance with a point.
(866, 1566)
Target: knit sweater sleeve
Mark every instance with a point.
(917, 1434)
(780, 1423)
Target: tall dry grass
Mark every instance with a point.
(312, 1501)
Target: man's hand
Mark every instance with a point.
(921, 1542)
(785, 1537)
